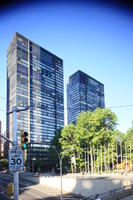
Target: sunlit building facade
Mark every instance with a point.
(34, 79)
(0, 141)
(83, 93)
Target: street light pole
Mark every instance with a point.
(121, 156)
(88, 160)
(60, 162)
(126, 157)
(112, 160)
(61, 174)
(101, 162)
(130, 158)
(117, 156)
(16, 181)
(85, 160)
(97, 161)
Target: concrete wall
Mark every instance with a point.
(83, 184)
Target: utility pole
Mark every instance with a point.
(15, 177)
(15, 148)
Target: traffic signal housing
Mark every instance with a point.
(24, 139)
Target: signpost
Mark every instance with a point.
(16, 160)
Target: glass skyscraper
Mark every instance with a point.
(83, 93)
(34, 79)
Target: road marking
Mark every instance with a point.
(33, 195)
(5, 195)
(37, 189)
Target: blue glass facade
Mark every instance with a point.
(35, 79)
(83, 93)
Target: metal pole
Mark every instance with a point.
(130, 158)
(121, 157)
(88, 159)
(94, 161)
(91, 160)
(7, 139)
(108, 160)
(97, 161)
(104, 160)
(116, 156)
(126, 156)
(60, 162)
(112, 160)
(85, 160)
(60, 159)
(101, 161)
(16, 181)
(1, 174)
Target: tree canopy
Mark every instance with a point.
(129, 135)
(94, 131)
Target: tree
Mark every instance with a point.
(68, 142)
(55, 149)
(3, 164)
(129, 140)
(95, 130)
(129, 135)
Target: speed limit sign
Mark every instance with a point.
(16, 160)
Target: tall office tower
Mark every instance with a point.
(34, 79)
(83, 93)
(0, 142)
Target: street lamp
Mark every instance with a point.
(60, 162)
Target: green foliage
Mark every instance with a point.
(129, 135)
(3, 164)
(55, 148)
(95, 131)
(68, 140)
(129, 140)
(55, 142)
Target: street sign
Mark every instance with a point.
(16, 160)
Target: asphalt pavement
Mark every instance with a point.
(3, 196)
(128, 198)
(32, 191)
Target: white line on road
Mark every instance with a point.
(33, 195)
(5, 195)
(37, 189)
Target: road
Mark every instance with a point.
(32, 191)
(3, 196)
(128, 198)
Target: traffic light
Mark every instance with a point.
(24, 140)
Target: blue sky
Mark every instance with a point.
(94, 38)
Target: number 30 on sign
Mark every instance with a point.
(16, 160)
